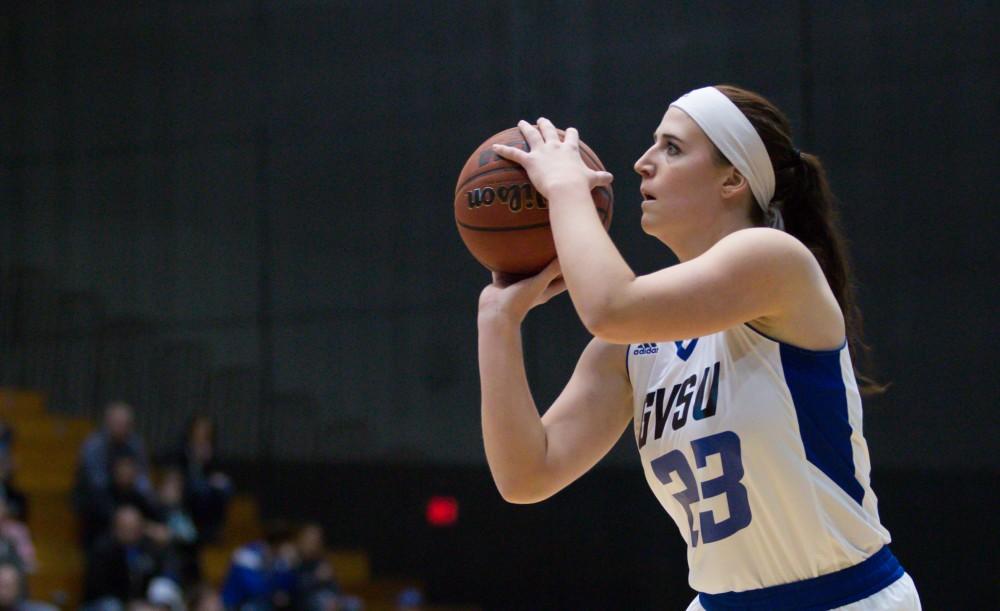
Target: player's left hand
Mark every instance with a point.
(553, 164)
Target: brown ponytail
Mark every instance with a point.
(809, 209)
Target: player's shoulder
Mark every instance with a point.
(764, 246)
(763, 239)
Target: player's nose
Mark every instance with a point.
(643, 167)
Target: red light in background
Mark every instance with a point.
(442, 511)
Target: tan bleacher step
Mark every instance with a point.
(34, 482)
(49, 456)
(350, 566)
(59, 558)
(39, 470)
(15, 403)
(66, 589)
(215, 562)
(242, 521)
(49, 428)
(51, 518)
(381, 591)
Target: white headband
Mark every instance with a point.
(730, 130)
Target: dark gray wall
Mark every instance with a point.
(219, 206)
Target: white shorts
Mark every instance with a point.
(900, 595)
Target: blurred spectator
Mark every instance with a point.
(122, 563)
(17, 503)
(10, 555)
(315, 584)
(16, 534)
(261, 575)
(93, 494)
(117, 436)
(208, 489)
(164, 594)
(99, 505)
(183, 535)
(205, 598)
(12, 591)
(410, 599)
(6, 439)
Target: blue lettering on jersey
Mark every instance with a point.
(685, 351)
(704, 405)
(727, 445)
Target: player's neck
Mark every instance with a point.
(694, 243)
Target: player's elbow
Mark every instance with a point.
(597, 318)
(606, 316)
(519, 493)
(516, 499)
(605, 324)
(522, 499)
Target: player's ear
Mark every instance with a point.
(734, 183)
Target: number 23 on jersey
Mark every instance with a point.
(727, 445)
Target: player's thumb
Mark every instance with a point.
(603, 179)
(551, 272)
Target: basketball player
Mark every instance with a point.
(733, 365)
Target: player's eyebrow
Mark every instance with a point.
(666, 136)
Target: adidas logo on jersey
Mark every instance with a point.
(645, 349)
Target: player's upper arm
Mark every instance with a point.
(749, 274)
(586, 420)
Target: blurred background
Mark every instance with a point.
(236, 217)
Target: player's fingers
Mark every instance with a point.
(530, 133)
(572, 137)
(602, 179)
(553, 289)
(548, 130)
(510, 152)
(503, 279)
(551, 271)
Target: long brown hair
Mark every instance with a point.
(809, 209)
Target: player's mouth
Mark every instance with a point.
(647, 196)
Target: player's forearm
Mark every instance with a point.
(513, 434)
(595, 272)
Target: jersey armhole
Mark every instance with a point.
(794, 347)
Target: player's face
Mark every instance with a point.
(681, 180)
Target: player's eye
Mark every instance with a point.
(672, 148)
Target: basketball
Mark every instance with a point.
(502, 219)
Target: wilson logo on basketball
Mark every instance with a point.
(515, 197)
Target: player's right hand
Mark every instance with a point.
(513, 300)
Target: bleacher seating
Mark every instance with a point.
(45, 452)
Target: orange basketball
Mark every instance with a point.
(502, 218)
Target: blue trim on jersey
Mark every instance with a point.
(806, 350)
(817, 594)
(628, 376)
(817, 386)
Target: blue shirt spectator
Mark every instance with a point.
(116, 437)
(260, 576)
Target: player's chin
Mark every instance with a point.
(648, 221)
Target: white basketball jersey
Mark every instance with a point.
(755, 449)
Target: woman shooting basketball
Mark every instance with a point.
(733, 365)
